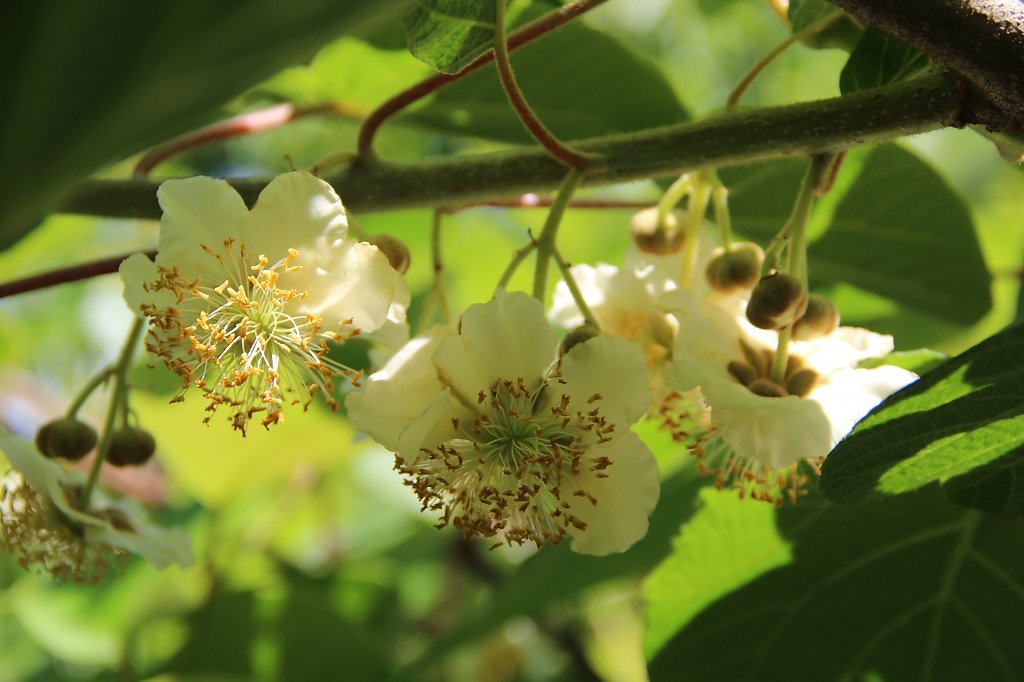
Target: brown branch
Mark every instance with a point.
(72, 273)
(414, 93)
(243, 124)
(981, 40)
(534, 201)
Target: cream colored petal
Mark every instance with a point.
(773, 431)
(625, 499)
(37, 470)
(433, 426)
(508, 338)
(349, 280)
(844, 348)
(136, 272)
(613, 369)
(196, 211)
(393, 397)
(159, 546)
(848, 395)
(458, 372)
(294, 211)
(592, 282)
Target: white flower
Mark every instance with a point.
(503, 439)
(42, 522)
(770, 425)
(243, 303)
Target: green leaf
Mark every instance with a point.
(901, 232)
(841, 32)
(962, 425)
(918, 361)
(572, 98)
(449, 34)
(910, 589)
(557, 574)
(879, 59)
(220, 637)
(92, 83)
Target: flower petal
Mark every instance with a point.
(433, 426)
(612, 368)
(196, 211)
(399, 392)
(625, 499)
(294, 211)
(848, 395)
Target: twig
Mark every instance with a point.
(73, 273)
(414, 93)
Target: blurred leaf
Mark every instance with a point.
(879, 59)
(962, 425)
(918, 361)
(571, 97)
(317, 643)
(220, 637)
(449, 34)
(912, 588)
(557, 574)
(917, 245)
(90, 84)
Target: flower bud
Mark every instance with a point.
(580, 334)
(130, 446)
(776, 302)
(766, 388)
(820, 319)
(396, 251)
(650, 237)
(801, 382)
(736, 269)
(67, 438)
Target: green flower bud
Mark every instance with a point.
(736, 269)
(776, 302)
(820, 319)
(396, 251)
(650, 237)
(67, 438)
(131, 446)
(575, 337)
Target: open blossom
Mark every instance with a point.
(243, 303)
(42, 524)
(769, 423)
(504, 439)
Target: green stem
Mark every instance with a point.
(117, 400)
(794, 235)
(559, 150)
(720, 197)
(695, 212)
(88, 389)
(741, 137)
(577, 295)
(673, 195)
(440, 293)
(517, 259)
(546, 241)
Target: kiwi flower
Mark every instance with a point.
(243, 304)
(43, 526)
(769, 424)
(503, 438)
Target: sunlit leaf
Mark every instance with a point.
(962, 425)
(909, 589)
(449, 34)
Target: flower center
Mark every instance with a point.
(516, 467)
(755, 372)
(242, 340)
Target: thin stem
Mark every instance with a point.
(745, 82)
(696, 209)
(355, 228)
(73, 273)
(88, 389)
(794, 233)
(741, 137)
(517, 259)
(237, 126)
(673, 195)
(414, 93)
(440, 293)
(117, 399)
(546, 241)
(720, 197)
(558, 149)
(574, 290)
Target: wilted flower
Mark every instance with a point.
(503, 438)
(43, 525)
(768, 423)
(244, 303)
